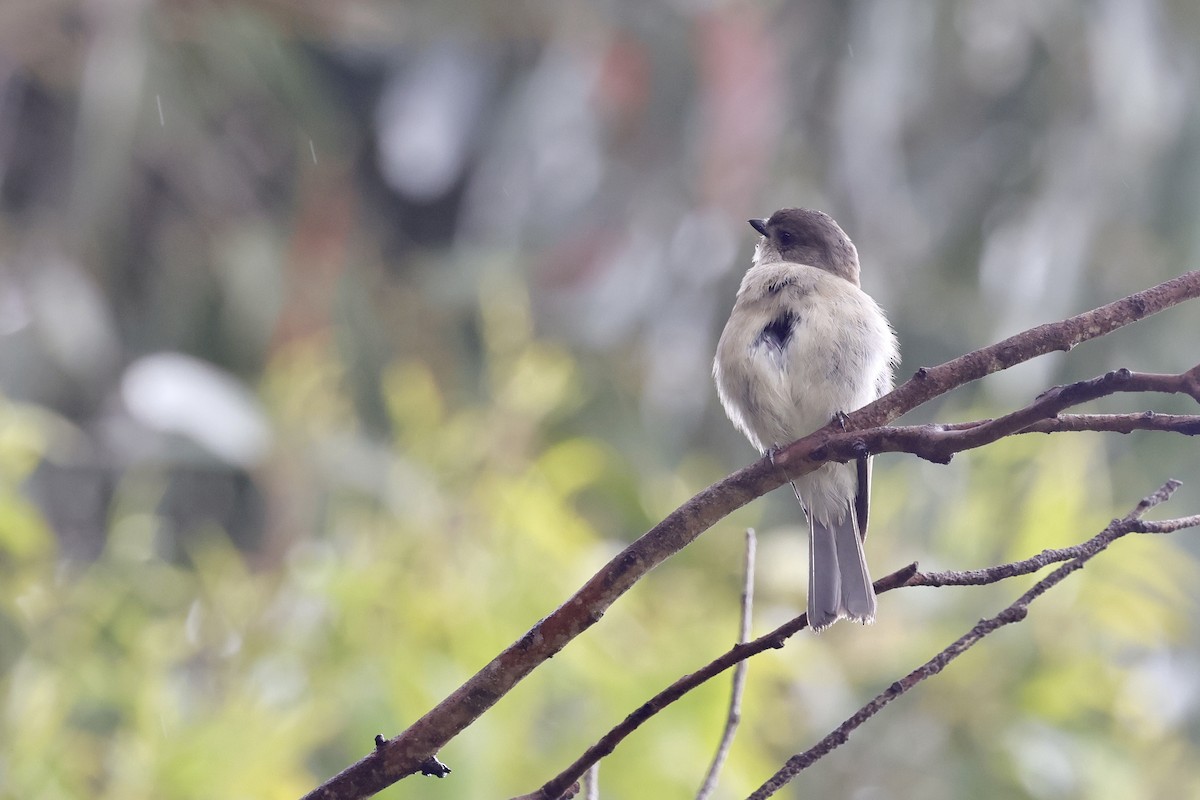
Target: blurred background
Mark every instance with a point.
(340, 342)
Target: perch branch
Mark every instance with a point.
(402, 756)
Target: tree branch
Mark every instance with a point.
(553, 789)
(1016, 612)
(1187, 424)
(402, 756)
(903, 577)
(940, 442)
(931, 382)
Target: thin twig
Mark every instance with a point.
(591, 782)
(1188, 424)
(940, 442)
(1016, 612)
(739, 675)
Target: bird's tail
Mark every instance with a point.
(839, 586)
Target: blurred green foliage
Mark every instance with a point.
(341, 342)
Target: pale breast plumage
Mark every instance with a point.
(791, 350)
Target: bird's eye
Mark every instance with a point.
(785, 238)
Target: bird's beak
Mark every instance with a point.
(759, 225)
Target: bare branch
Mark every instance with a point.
(904, 577)
(929, 383)
(739, 675)
(940, 442)
(402, 756)
(1131, 523)
(774, 640)
(1187, 424)
(1169, 525)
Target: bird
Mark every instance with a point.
(805, 345)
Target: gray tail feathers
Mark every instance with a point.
(838, 584)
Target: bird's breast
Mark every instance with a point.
(800, 346)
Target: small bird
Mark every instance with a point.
(804, 345)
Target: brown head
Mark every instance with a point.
(803, 236)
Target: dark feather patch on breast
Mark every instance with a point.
(779, 331)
